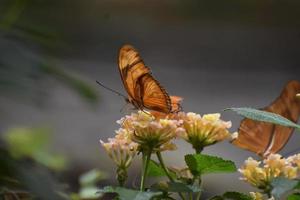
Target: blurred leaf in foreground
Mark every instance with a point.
(88, 184)
(92, 177)
(33, 143)
(128, 194)
(84, 89)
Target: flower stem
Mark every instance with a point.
(161, 161)
(198, 151)
(146, 160)
(121, 175)
(164, 166)
(199, 193)
(268, 192)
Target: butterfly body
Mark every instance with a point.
(144, 91)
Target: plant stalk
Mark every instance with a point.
(200, 185)
(146, 160)
(161, 161)
(198, 151)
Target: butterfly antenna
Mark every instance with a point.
(114, 91)
(123, 107)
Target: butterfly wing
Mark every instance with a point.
(143, 90)
(131, 68)
(153, 95)
(264, 138)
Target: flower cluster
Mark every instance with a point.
(205, 130)
(142, 131)
(148, 133)
(151, 133)
(122, 151)
(120, 148)
(274, 165)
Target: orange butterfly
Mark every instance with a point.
(265, 138)
(144, 92)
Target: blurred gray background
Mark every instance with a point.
(215, 54)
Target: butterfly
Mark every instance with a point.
(265, 138)
(144, 91)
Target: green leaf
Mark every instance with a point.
(26, 141)
(282, 185)
(175, 187)
(298, 185)
(50, 160)
(232, 196)
(236, 196)
(295, 196)
(182, 187)
(33, 143)
(217, 198)
(264, 116)
(128, 194)
(204, 164)
(155, 170)
(91, 177)
(90, 192)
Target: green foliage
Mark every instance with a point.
(13, 14)
(23, 67)
(203, 164)
(298, 185)
(88, 184)
(295, 196)
(264, 116)
(90, 192)
(92, 177)
(33, 143)
(128, 194)
(175, 187)
(155, 170)
(232, 196)
(282, 185)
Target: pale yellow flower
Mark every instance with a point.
(204, 131)
(291, 172)
(121, 149)
(295, 159)
(253, 174)
(149, 133)
(256, 196)
(273, 166)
